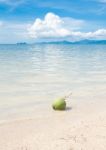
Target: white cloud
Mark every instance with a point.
(98, 34)
(51, 26)
(55, 27)
(101, 33)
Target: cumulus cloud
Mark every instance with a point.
(53, 26)
(101, 33)
(98, 34)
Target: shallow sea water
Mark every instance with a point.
(31, 76)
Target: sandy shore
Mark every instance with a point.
(73, 129)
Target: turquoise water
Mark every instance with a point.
(31, 76)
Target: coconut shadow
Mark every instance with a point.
(68, 108)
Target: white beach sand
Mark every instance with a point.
(82, 127)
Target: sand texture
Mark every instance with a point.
(59, 131)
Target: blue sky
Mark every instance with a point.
(43, 20)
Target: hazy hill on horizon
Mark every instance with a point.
(76, 42)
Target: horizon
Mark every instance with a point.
(85, 41)
(39, 21)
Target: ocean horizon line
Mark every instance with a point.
(59, 42)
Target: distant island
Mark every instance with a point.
(75, 42)
(22, 43)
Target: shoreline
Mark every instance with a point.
(73, 129)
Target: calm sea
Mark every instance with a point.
(31, 76)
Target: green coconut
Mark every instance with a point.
(59, 104)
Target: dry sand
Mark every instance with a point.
(79, 128)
